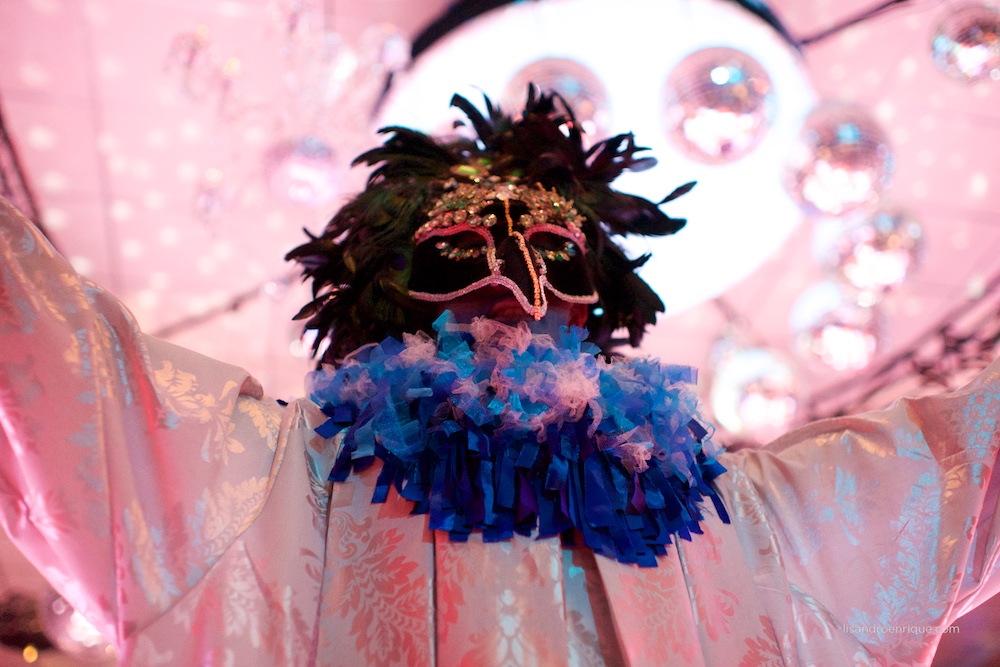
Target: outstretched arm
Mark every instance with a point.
(885, 522)
(127, 465)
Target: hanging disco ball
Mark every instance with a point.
(842, 161)
(303, 170)
(878, 254)
(831, 326)
(719, 104)
(755, 393)
(966, 44)
(582, 90)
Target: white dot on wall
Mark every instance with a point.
(156, 138)
(978, 184)
(153, 200)
(961, 236)
(975, 288)
(231, 9)
(45, 6)
(254, 135)
(55, 218)
(900, 136)
(197, 305)
(872, 77)
(147, 299)
(132, 249)
(907, 67)
(53, 181)
(913, 22)
(142, 169)
(107, 143)
(838, 72)
(117, 163)
(190, 131)
(168, 236)
(187, 171)
(956, 161)
(41, 137)
(82, 265)
(205, 265)
(928, 122)
(159, 280)
(255, 269)
(885, 110)
(925, 158)
(121, 210)
(222, 250)
(919, 189)
(34, 75)
(936, 101)
(109, 67)
(982, 90)
(96, 13)
(851, 38)
(275, 221)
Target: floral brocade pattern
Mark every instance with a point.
(188, 517)
(382, 592)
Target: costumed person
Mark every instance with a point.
(461, 489)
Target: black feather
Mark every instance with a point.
(359, 266)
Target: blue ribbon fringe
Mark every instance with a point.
(490, 442)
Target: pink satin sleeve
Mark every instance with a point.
(881, 526)
(123, 473)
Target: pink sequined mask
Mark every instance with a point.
(498, 233)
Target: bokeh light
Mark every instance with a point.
(966, 44)
(842, 162)
(718, 104)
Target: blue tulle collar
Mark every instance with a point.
(492, 428)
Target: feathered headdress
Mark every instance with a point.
(360, 266)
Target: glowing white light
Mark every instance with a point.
(658, 34)
(720, 76)
(754, 392)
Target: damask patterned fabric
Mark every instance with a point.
(187, 515)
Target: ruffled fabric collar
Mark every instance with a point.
(492, 428)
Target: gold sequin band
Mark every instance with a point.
(463, 202)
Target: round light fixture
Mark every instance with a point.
(576, 84)
(632, 51)
(842, 161)
(966, 44)
(718, 104)
(303, 170)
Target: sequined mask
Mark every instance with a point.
(499, 233)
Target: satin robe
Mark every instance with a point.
(187, 515)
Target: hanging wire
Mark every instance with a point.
(861, 17)
(963, 342)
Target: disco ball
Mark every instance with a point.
(755, 392)
(719, 104)
(303, 170)
(575, 83)
(831, 326)
(878, 254)
(72, 634)
(842, 161)
(966, 44)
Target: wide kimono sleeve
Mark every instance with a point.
(885, 523)
(127, 465)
